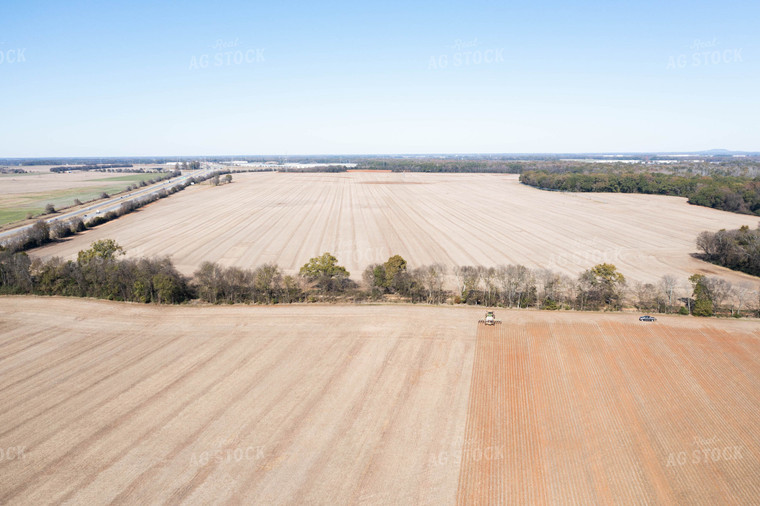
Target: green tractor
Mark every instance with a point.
(491, 318)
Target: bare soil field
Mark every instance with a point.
(454, 219)
(613, 412)
(396, 404)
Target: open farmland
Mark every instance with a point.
(21, 194)
(396, 404)
(607, 411)
(454, 219)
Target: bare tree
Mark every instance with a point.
(739, 296)
(688, 300)
(564, 289)
(645, 295)
(504, 279)
(292, 289)
(209, 279)
(460, 273)
(526, 285)
(514, 274)
(549, 282)
(15, 275)
(489, 280)
(719, 289)
(585, 288)
(267, 282)
(432, 279)
(236, 284)
(470, 279)
(669, 285)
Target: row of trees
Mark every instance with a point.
(508, 286)
(728, 193)
(423, 284)
(264, 285)
(101, 272)
(97, 272)
(713, 166)
(319, 279)
(600, 287)
(442, 165)
(43, 232)
(217, 180)
(162, 176)
(736, 249)
(50, 208)
(193, 165)
(90, 167)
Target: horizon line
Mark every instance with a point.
(440, 154)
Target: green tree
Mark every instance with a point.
(142, 291)
(100, 270)
(167, 288)
(104, 249)
(606, 285)
(326, 273)
(703, 304)
(394, 270)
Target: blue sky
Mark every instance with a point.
(201, 78)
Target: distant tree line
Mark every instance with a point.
(727, 193)
(705, 165)
(326, 168)
(117, 161)
(94, 167)
(192, 165)
(736, 249)
(441, 165)
(717, 166)
(101, 272)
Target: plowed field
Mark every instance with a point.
(453, 219)
(612, 412)
(135, 404)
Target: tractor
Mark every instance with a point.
(491, 318)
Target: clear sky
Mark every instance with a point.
(102, 78)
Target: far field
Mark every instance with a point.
(21, 194)
(136, 404)
(454, 219)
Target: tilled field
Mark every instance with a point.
(396, 404)
(453, 219)
(610, 412)
(282, 405)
